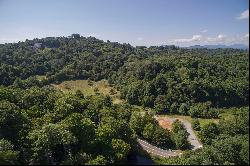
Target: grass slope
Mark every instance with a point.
(89, 88)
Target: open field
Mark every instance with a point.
(188, 118)
(89, 88)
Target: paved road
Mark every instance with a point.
(192, 138)
(155, 150)
(195, 143)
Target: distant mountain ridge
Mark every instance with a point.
(235, 46)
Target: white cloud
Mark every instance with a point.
(244, 15)
(139, 38)
(220, 36)
(9, 40)
(204, 31)
(210, 40)
(194, 38)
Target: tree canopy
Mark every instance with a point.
(40, 124)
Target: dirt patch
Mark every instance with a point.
(165, 123)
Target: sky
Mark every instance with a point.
(138, 22)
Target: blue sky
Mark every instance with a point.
(138, 22)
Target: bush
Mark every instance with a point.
(203, 110)
(196, 124)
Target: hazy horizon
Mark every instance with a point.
(228, 45)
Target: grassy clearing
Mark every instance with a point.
(206, 121)
(40, 77)
(227, 112)
(89, 88)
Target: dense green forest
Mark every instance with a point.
(41, 125)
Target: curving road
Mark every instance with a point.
(155, 150)
(192, 138)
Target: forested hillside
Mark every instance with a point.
(146, 76)
(41, 125)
